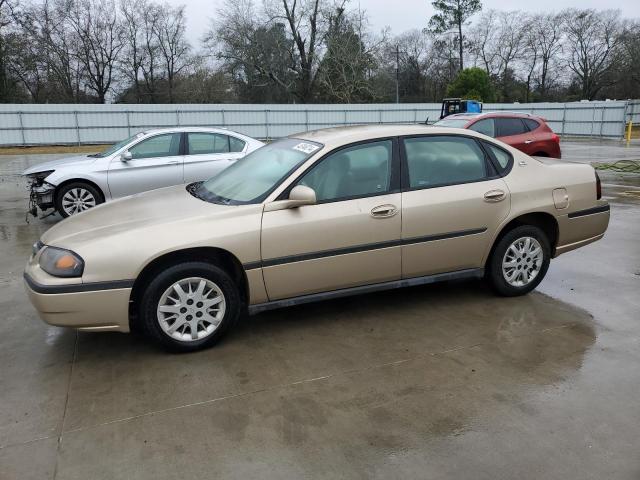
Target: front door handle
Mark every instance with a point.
(384, 211)
(494, 196)
(527, 142)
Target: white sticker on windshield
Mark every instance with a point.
(306, 148)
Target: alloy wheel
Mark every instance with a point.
(77, 200)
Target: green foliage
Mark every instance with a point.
(473, 84)
(452, 13)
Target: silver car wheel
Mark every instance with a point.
(522, 261)
(77, 200)
(191, 309)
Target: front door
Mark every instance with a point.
(452, 204)
(156, 162)
(349, 237)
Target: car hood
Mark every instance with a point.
(166, 207)
(60, 162)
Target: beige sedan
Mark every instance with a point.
(318, 215)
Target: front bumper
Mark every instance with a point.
(100, 306)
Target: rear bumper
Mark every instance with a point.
(105, 309)
(579, 228)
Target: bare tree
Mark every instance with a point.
(133, 54)
(593, 40)
(510, 47)
(169, 32)
(99, 41)
(483, 42)
(547, 30)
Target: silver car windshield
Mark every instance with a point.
(252, 178)
(115, 147)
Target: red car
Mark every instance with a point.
(525, 132)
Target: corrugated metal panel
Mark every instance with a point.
(32, 124)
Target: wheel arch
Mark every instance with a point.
(216, 256)
(79, 180)
(545, 221)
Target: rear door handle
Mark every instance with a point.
(527, 142)
(384, 211)
(494, 196)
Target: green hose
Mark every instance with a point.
(626, 166)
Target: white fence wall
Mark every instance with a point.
(33, 124)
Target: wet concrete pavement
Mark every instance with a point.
(441, 381)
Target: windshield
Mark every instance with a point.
(452, 122)
(115, 147)
(253, 177)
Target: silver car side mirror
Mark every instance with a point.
(300, 195)
(126, 156)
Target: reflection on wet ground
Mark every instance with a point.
(441, 381)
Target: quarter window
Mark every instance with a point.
(443, 160)
(509, 126)
(236, 145)
(167, 145)
(357, 171)
(531, 124)
(485, 126)
(200, 143)
(501, 155)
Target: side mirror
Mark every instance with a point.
(126, 156)
(300, 195)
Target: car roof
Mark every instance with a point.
(502, 113)
(191, 129)
(337, 136)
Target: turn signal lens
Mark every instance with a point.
(61, 263)
(66, 262)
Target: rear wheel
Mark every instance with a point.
(189, 306)
(76, 197)
(519, 261)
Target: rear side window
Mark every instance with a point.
(531, 124)
(443, 160)
(502, 156)
(485, 126)
(509, 126)
(236, 145)
(200, 143)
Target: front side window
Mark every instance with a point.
(357, 171)
(166, 145)
(443, 160)
(509, 126)
(252, 178)
(484, 126)
(200, 143)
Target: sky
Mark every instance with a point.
(413, 13)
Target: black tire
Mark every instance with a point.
(148, 307)
(97, 195)
(494, 274)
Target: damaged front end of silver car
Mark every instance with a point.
(41, 194)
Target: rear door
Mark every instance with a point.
(207, 154)
(453, 201)
(514, 132)
(156, 162)
(350, 237)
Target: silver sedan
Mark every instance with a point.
(146, 161)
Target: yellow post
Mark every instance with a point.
(628, 135)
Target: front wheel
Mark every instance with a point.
(189, 306)
(77, 197)
(519, 261)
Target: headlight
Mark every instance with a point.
(61, 263)
(38, 178)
